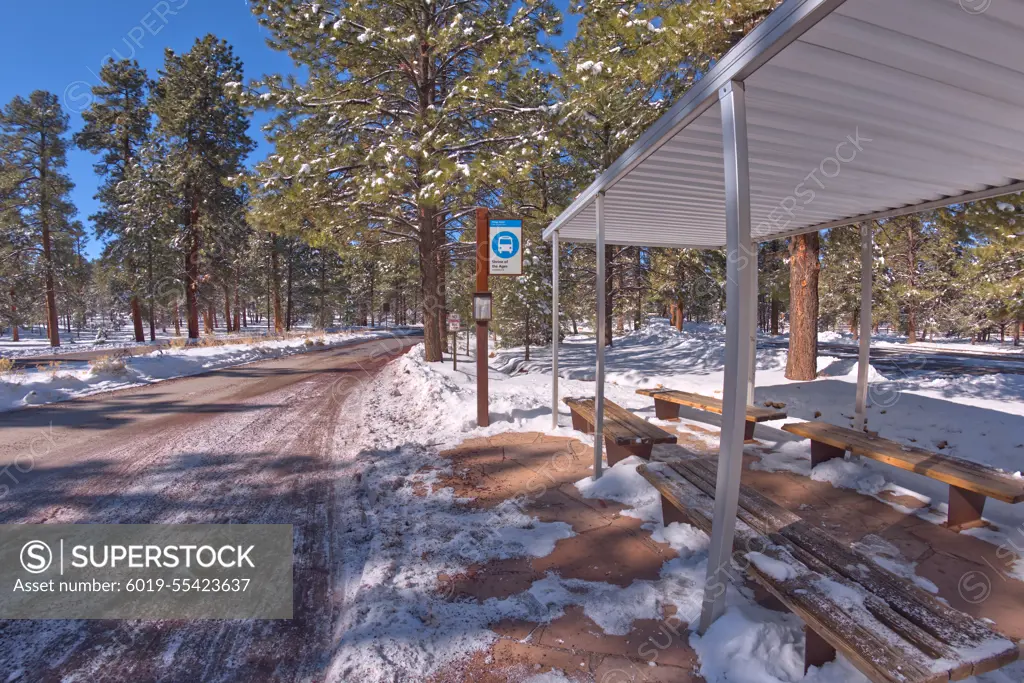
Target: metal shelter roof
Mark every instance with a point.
(856, 109)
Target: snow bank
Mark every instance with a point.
(19, 389)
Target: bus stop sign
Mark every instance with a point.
(506, 247)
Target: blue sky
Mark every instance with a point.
(59, 45)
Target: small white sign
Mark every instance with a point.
(454, 322)
(506, 247)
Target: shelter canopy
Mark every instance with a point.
(856, 109)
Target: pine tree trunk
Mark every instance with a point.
(151, 300)
(288, 304)
(177, 320)
(1016, 332)
(854, 327)
(775, 315)
(192, 272)
(140, 336)
(911, 325)
(527, 357)
(679, 312)
(802, 361)
(15, 334)
(237, 320)
(433, 301)
(51, 294)
(227, 308)
(275, 287)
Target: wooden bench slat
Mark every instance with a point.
(710, 404)
(778, 524)
(621, 425)
(964, 474)
(850, 628)
(937, 620)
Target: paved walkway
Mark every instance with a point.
(540, 471)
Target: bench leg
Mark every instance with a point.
(817, 651)
(822, 452)
(670, 513)
(580, 424)
(664, 410)
(748, 431)
(617, 453)
(965, 509)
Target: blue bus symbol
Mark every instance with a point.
(505, 244)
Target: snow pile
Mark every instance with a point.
(54, 383)
(622, 483)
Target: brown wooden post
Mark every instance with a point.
(482, 269)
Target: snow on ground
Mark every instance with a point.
(390, 587)
(959, 345)
(22, 388)
(36, 344)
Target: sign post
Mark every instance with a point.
(482, 270)
(454, 323)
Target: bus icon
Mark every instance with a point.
(506, 245)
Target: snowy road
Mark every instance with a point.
(247, 444)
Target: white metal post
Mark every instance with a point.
(751, 378)
(864, 358)
(599, 379)
(738, 320)
(555, 328)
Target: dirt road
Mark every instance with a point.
(250, 444)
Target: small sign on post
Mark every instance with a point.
(506, 247)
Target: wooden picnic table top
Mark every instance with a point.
(965, 474)
(710, 404)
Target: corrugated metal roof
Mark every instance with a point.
(857, 109)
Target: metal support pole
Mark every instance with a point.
(555, 328)
(751, 378)
(599, 378)
(864, 358)
(738, 320)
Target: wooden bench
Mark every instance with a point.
(970, 483)
(886, 626)
(667, 402)
(625, 434)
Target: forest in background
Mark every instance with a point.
(413, 114)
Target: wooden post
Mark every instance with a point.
(455, 349)
(483, 253)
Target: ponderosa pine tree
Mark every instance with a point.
(996, 228)
(204, 131)
(839, 282)
(628, 62)
(419, 87)
(116, 126)
(33, 159)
